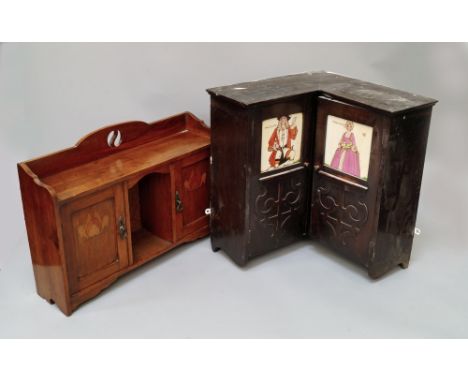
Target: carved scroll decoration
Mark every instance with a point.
(275, 209)
(344, 221)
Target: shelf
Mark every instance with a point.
(146, 245)
(74, 181)
(110, 202)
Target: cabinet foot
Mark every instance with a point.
(404, 265)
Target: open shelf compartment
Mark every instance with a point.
(150, 210)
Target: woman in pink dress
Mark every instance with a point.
(346, 157)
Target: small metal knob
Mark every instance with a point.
(178, 202)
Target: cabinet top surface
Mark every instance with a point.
(113, 168)
(365, 93)
(115, 153)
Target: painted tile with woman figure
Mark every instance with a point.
(348, 151)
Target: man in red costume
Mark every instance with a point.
(280, 143)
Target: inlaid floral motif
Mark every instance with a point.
(93, 226)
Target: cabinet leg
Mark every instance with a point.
(214, 247)
(404, 264)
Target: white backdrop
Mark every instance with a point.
(53, 94)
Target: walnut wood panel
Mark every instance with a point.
(345, 208)
(401, 185)
(95, 212)
(279, 198)
(238, 186)
(230, 125)
(374, 96)
(279, 211)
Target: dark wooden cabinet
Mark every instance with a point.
(253, 212)
(122, 196)
(317, 155)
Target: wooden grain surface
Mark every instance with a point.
(72, 182)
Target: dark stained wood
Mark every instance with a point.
(368, 221)
(94, 212)
(192, 187)
(279, 199)
(401, 178)
(134, 207)
(75, 181)
(359, 92)
(253, 213)
(93, 246)
(45, 239)
(228, 181)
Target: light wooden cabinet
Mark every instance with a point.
(191, 193)
(95, 238)
(122, 196)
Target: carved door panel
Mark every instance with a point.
(341, 215)
(279, 211)
(347, 159)
(95, 237)
(191, 188)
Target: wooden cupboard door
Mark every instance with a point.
(191, 193)
(347, 168)
(280, 175)
(95, 237)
